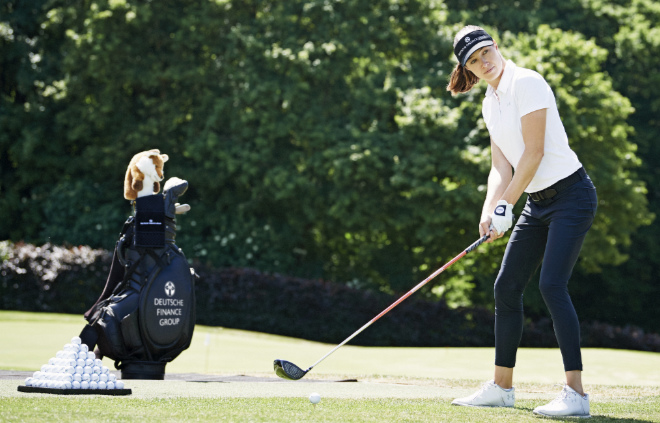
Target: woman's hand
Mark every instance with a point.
(486, 227)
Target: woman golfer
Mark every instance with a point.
(526, 134)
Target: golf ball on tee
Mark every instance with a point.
(315, 398)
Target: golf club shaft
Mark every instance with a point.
(408, 294)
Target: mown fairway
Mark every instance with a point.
(395, 384)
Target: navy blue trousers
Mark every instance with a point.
(551, 232)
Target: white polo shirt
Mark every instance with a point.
(520, 92)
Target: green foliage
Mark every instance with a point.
(595, 116)
(623, 36)
(317, 136)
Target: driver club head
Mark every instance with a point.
(288, 370)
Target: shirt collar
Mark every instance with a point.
(505, 81)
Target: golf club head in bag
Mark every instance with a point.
(288, 370)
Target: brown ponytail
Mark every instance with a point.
(461, 80)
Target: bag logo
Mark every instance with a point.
(169, 288)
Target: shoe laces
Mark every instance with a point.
(484, 387)
(564, 395)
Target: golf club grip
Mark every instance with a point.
(483, 239)
(477, 243)
(406, 295)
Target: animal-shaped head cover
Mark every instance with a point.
(144, 173)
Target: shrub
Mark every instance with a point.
(69, 280)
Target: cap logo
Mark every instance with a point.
(471, 43)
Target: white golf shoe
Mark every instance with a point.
(490, 395)
(568, 404)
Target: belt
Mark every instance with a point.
(562, 184)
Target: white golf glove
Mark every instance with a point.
(502, 217)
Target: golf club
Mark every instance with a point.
(288, 370)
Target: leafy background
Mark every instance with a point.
(318, 138)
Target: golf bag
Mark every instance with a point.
(146, 315)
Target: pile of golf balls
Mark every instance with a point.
(74, 367)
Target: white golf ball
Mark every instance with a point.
(86, 377)
(84, 385)
(315, 398)
(96, 370)
(89, 362)
(93, 385)
(77, 377)
(105, 370)
(98, 362)
(112, 377)
(80, 370)
(28, 381)
(103, 377)
(102, 384)
(66, 385)
(119, 384)
(110, 385)
(80, 362)
(95, 377)
(76, 340)
(87, 370)
(75, 384)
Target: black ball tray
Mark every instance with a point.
(113, 392)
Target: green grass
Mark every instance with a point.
(395, 384)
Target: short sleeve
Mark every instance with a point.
(532, 93)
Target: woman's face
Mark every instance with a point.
(487, 64)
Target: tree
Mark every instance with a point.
(317, 137)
